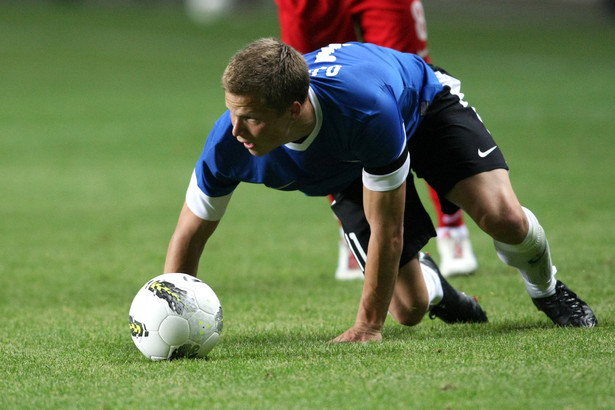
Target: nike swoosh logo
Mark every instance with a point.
(483, 154)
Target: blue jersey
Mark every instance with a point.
(368, 101)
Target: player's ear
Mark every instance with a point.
(295, 110)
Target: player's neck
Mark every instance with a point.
(305, 123)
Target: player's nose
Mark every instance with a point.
(237, 127)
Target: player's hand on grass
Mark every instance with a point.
(359, 333)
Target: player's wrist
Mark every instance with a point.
(367, 324)
(368, 331)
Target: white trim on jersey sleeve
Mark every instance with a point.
(387, 182)
(204, 206)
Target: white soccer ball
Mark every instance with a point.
(175, 315)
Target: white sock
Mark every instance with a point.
(434, 286)
(532, 258)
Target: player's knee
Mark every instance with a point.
(508, 225)
(411, 315)
(412, 320)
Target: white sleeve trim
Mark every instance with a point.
(387, 182)
(203, 206)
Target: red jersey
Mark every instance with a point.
(308, 25)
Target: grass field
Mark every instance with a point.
(103, 113)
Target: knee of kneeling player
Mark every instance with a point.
(411, 315)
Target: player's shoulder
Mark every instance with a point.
(222, 128)
(351, 74)
(354, 63)
(221, 146)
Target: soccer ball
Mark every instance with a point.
(175, 315)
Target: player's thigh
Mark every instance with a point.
(489, 199)
(484, 193)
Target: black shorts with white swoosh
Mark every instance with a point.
(451, 144)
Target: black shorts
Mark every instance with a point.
(348, 207)
(451, 144)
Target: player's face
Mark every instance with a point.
(260, 129)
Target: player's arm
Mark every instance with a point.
(198, 220)
(384, 212)
(384, 199)
(187, 243)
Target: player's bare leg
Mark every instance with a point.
(420, 288)
(520, 242)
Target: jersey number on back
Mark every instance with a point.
(325, 55)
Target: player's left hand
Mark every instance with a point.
(359, 333)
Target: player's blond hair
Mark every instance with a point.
(270, 70)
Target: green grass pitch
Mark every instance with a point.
(103, 112)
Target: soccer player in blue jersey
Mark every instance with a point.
(351, 120)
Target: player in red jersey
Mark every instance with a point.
(308, 25)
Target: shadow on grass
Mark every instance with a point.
(313, 344)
